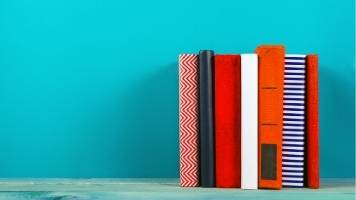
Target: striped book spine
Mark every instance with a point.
(293, 121)
(188, 120)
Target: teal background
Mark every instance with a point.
(89, 88)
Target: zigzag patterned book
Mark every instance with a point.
(227, 121)
(293, 121)
(312, 123)
(206, 115)
(188, 120)
(270, 112)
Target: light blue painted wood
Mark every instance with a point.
(156, 189)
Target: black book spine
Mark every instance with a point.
(206, 118)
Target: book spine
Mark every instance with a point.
(249, 118)
(188, 120)
(227, 121)
(312, 123)
(293, 121)
(206, 107)
(270, 111)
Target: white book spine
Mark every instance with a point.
(249, 121)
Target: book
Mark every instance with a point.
(188, 120)
(206, 118)
(312, 123)
(249, 121)
(293, 121)
(270, 115)
(227, 121)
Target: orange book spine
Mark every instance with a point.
(270, 115)
(312, 123)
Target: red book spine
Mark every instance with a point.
(312, 122)
(228, 120)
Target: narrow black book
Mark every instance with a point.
(206, 118)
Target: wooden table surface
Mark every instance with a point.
(157, 189)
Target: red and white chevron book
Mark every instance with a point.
(188, 120)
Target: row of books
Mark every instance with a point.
(249, 120)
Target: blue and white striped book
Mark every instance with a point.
(293, 121)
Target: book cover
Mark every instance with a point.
(249, 121)
(227, 121)
(312, 123)
(270, 115)
(293, 152)
(206, 116)
(188, 120)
